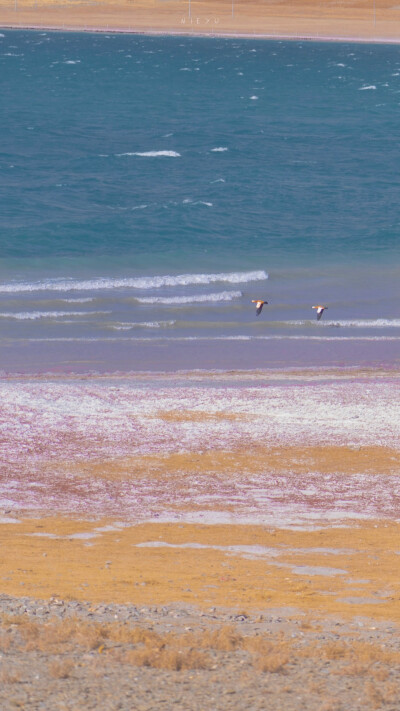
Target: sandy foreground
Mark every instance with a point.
(71, 655)
(95, 613)
(207, 541)
(371, 20)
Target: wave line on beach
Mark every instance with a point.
(146, 282)
(122, 326)
(34, 315)
(195, 298)
(347, 323)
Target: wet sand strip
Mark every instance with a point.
(346, 571)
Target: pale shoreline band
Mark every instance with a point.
(374, 21)
(215, 35)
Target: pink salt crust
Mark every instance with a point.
(48, 426)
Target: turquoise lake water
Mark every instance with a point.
(152, 186)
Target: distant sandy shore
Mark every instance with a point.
(335, 20)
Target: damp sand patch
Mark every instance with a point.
(122, 565)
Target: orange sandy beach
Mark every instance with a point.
(192, 542)
(177, 539)
(356, 20)
(158, 489)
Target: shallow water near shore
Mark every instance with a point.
(196, 175)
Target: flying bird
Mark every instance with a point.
(320, 311)
(259, 304)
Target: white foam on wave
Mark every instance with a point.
(148, 282)
(141, 324)
(284, 338)
(367, 88)
(369, 323)
(152, 154)
(348, 323)
(189, 201)
(82, 300)
(194, 298)
(34, 315)
(219, 149)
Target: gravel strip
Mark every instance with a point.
(318, 665)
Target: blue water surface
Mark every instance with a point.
(125, 156)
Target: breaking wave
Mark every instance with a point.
(347, 323)
(142, 324)
(195, 298)
(152, 154)
(148, 282)
(34, 315)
